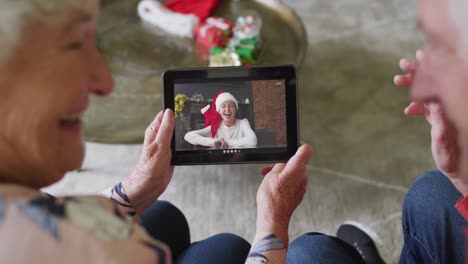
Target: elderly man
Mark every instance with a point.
(435, 210)
(432, 227)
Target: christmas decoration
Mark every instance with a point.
(212, 117)
(224, 57)
(248, 27)
(179, 103)
(247, 49)
(215, 31)
(202, 9)
(177, 17)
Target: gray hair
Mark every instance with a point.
(16, 14)
(458, 12)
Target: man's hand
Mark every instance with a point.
(280, 193)
(153, 171)
(443, 133)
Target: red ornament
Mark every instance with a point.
(214, 32)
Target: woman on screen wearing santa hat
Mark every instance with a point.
(222, 129)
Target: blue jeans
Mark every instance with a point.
(167, 223)
(432, 227)
(321, 249)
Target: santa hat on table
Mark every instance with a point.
(178, 17)
(211, 112)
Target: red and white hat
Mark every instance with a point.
(212, 117)
(177, 17)
(223, 98)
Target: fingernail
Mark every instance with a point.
(419, 54)
(166, 112)
(403, 63)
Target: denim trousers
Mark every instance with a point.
(432, 230)
(166, 223)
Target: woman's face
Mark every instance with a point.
(228, 111)
(45, 89)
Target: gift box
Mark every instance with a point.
(217, 50)
(248, 51)
(224, 57)
(247, 55)
(215, 31)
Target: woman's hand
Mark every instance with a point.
(443, 133)
(153, 171)
(221, 144)
(280, 193)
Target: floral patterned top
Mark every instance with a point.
(39, 228)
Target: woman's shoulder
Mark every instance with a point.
(243, 122)
(85, 211)
(13, 193)
(17, 192)
(92, 220)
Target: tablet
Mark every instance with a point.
(233, 114)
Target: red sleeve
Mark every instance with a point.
(462, 206)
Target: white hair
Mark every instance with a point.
(458, 12)
(16, 14)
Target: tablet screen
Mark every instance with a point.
(232, 119)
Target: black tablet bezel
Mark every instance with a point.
(283, 72)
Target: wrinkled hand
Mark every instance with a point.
(443, 133)
(153, 171)
(281, 192)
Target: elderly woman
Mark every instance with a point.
(222, 128)
(49, 66)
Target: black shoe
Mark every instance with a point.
(361, 239)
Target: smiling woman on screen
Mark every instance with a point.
(222, 128)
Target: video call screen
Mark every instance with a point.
(247, 116)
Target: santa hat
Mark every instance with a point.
(212, 117)
(178, 17)
(223, 98)
(200, 8)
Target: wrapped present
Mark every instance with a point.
(249, 44)
(217, 50)
(202, 52)
(247, 55)
(215, 31)
(248, 26)
(224, 57)
(247, 49)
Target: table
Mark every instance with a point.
(138, 54)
